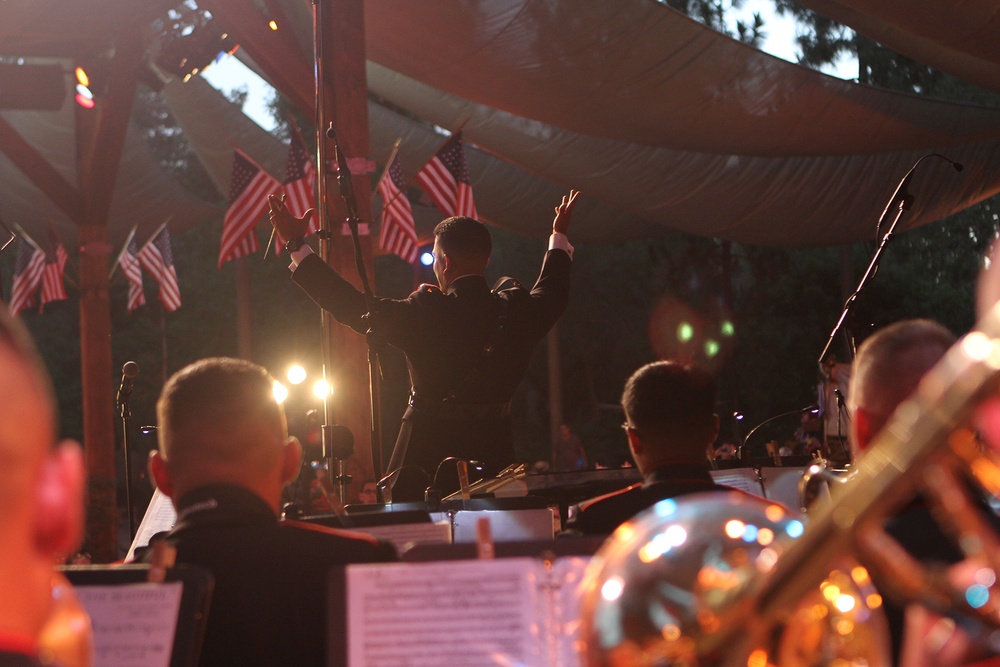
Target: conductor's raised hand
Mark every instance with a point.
(285, 224)
(564, 212)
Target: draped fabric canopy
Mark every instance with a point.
(958, 37)
(660, 121)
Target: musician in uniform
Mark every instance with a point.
(467, 346)
(671, 425)
(224, 455)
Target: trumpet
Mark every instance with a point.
(734, 580)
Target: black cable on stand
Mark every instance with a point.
(129, 372)
(332, 436)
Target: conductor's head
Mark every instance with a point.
(220, 423)
(462, 246)
(669, 414)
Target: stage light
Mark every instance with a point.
(272, 24)
(296, 374)
(322, 389)
(426, 258)
(279, 391)
(84, 96)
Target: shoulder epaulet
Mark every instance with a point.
(587, 503)
(427, 290)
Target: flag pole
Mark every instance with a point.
(118, 259)
(385, 170)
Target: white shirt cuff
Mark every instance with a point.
(560, 241)
(298, 256)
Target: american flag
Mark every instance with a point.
(28, 269)
(129, 261)
(399, 234)
(158, 261)
(248, 190)
(445, 178)
(53, 286)
(300, 183)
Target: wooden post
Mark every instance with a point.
(100, 140)
(98, 393)
(345, 96)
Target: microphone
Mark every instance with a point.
(901, 192)
(129, 372)
(343, 172)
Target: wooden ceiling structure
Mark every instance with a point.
(118, 34)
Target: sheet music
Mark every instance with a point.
(744, 479)
(471, 613)
(562, 582)
(403, 535)
(160, 516)
(134, 624)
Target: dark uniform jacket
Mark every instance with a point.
(601, 515)
(460, 391)
(268, 606)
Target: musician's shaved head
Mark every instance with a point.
(887, 369)
(219, 423)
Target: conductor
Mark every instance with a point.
(467, 347)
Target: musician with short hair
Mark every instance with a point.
(671, 424)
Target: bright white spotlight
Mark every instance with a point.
(280, 392)
(296, 374)
(322, 389)
(426, 258)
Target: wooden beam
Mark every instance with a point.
(40, 172)
(275, 51)
(101, 138)
(105, 126)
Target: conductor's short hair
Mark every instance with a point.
(465, 237)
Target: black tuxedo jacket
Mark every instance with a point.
(601, 515)
(444, 337)
(268, 606)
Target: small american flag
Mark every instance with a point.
(129, 261)
(53, 286)
(445, 178)
(300, 184)
(158, 261)
(28, 269)
(399, 233)
(248, 190)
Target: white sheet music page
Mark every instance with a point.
(134, 624)
(744, 479)
(567, 577)
(160, 516)
(469, 613)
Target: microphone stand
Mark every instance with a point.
(902, 200)
(325, 130)
(744, 452)
(125, 412)
(905, 201)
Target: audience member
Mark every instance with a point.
(567, 451)
(41, 492)
(368, 495)
(223, 458)
(671, 426)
